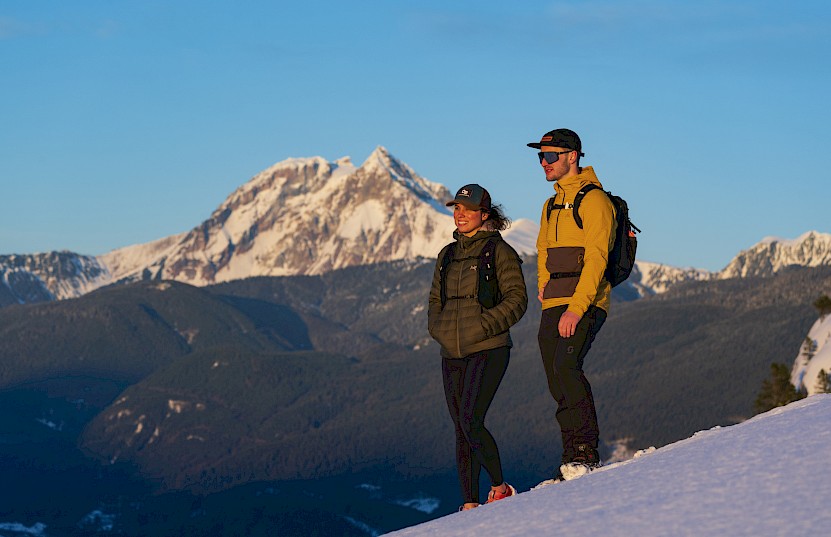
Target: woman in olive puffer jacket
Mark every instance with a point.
(475, 341)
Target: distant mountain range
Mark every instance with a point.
(307, 216)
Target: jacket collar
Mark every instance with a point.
(576, 182)
(466, 242)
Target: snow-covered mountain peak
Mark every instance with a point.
(294, 175)
(379, 154)
(807, 236)
(303, 216)
(654, 278)
(48, 276)
(772, 254)
(380, 162)
(344, 162)
(381, 158)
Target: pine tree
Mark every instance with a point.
(776, 390)
(809, 348)
(823, 384)
(823, 304)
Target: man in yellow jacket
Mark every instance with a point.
(574, 294)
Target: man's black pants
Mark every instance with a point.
(470, 384)
(562, 359)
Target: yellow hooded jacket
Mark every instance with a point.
(564, 247)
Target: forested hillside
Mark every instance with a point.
(314, 376)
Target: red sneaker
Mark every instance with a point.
(496, 495)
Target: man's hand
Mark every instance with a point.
(539, 295)
(568, 323)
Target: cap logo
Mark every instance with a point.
(547, 139)
(464, 192)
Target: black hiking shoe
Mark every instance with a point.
(586, 455)
(586, 459)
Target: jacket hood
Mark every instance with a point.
(576, 182)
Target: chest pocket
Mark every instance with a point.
(565, 265)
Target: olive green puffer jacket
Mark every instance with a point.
(463, 326)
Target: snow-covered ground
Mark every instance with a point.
(764, 477)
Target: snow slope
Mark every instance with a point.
(764, 477)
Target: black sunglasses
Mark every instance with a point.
(551, 156)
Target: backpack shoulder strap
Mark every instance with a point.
(579, 199)
(488, 284)
(449, 253)
(487, 260)
(554, 205)
(549, 208)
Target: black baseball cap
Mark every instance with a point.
(472, 196)
(560, 138)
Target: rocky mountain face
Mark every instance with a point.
(302, 216)
(768, 257)
(48, 276)
(654, 278)
(771, 255)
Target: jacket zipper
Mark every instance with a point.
(458, 333)
(557, 220)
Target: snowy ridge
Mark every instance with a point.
(814, 356)
(124, 262)
(50, 276)
(766, 258)
(771, 255)
(654, 278)
(747, 479)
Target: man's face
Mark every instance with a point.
(467, 220)
(558, 169)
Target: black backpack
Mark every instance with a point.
(622, 255)
(489, 295)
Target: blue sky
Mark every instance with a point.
(124, 122)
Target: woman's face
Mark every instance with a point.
(468, 221)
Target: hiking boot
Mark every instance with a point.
(586, 460)
(466, 507)
(586, 455)
(494, 494)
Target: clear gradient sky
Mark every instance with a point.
(122, 122)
